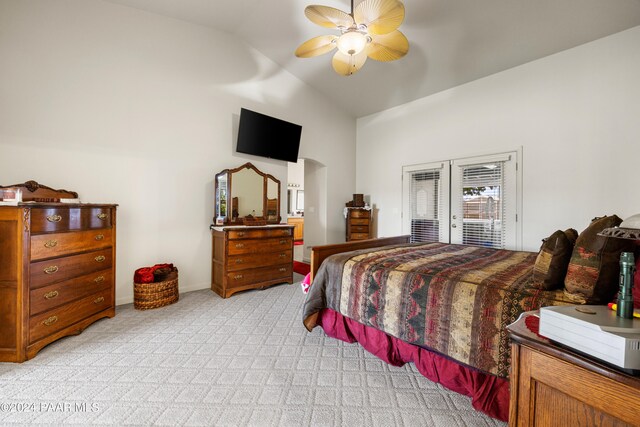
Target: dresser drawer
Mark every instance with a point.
(49, 297)
(358, 221)
(360, 214)
(60, 219)
(359, 236)
(252, 246)
(255, 234)
(359, 228)
(59, 269)
(256, 275)
(59, 318)
(241, 262)
(58, 244)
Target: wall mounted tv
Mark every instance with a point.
(266, 136)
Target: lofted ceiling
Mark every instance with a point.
(451, 41)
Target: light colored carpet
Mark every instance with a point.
(246, 360)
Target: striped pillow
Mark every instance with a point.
(592, 276)
(553, 259)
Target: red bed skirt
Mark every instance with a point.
(489, 394)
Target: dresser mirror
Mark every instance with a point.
(245, 193)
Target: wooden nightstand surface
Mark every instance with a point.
(554, 386)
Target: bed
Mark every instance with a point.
(442, 307)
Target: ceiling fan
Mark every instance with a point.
(369, 31)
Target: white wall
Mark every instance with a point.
(576, 114)
(133, 108)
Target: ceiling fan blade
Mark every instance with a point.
(328, 17)
(388, 47)
(380, 16)
(345, 65)
(316, 46)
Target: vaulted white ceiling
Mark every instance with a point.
(451, 41)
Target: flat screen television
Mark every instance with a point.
(266, 136)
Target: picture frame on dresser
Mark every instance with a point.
(57, 269)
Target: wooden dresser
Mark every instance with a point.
(298, 224)
(57, 273)
(359, 224)
(554, 386)
(251, 258)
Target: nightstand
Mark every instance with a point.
(554, 386)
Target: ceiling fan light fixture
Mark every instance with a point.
(352, 42)
(369, 31)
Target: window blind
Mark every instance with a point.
(425, 205)
(483, 204)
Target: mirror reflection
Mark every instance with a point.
(273, 187)
(245, 195)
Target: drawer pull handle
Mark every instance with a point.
(282, 255)
(239, 245)
(102, 216)
(282, 269)
(51, 269)
(282, 242)
(50, 295)
(100, 258)
(238, 276)
(240, 233)
(99, 237)
(239, 261)
(50, 321)
(54, 218)
(98, 300)
(99, 279)
(51, 244)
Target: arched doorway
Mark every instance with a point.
(314, 201)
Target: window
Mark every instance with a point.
(472, 201)
(427, 189)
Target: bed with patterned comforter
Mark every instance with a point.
(452, 299)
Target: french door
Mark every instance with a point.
(471, 201)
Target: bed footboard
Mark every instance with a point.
(319, 253)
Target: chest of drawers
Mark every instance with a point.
(555, 386)
(251, 258)
(57, 273)
(359, 224)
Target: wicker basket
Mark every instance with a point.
(158, 294)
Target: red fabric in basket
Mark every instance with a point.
(145, 274)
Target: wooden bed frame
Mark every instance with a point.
(319, 253)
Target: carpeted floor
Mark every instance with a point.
(246, 360)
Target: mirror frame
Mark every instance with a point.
(228, 220)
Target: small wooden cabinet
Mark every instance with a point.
(359, 224)
(251, 258)
(57, 273)
(298, 227)
(553, 386)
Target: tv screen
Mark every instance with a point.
(266, 136)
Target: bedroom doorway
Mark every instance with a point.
(473, 201)
(295, 206)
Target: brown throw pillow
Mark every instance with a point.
(592, 276)
(553, 259)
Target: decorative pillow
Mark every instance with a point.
(592, 276)
(553, 259)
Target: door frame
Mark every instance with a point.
(518, 152)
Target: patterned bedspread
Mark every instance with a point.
(453, 299)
